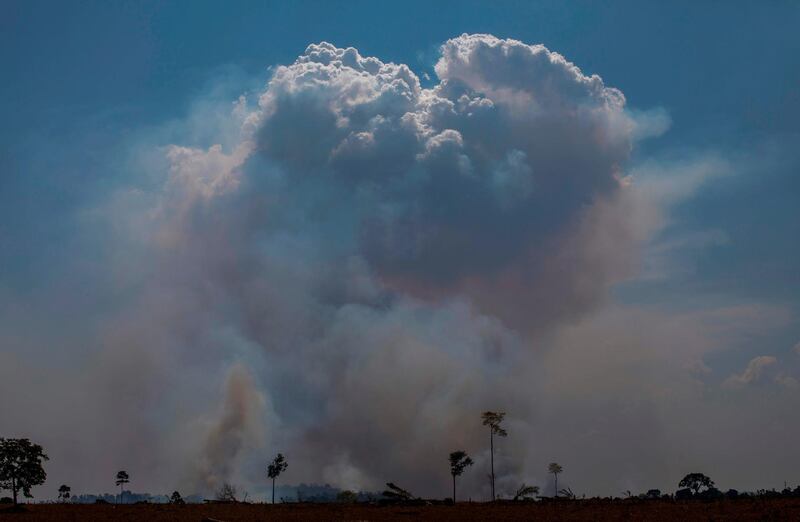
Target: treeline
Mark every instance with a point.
(21, 468)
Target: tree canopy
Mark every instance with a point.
(459, 461)
(493, 420)
(277, 466)
(696, 482)
(64, 492)
(21, 466)
(122, 478)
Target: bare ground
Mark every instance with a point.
(605, 510)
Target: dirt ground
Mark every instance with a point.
(741, 509)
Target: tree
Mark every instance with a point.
(653, 493)
(526, 492)
(21, 466)
(396, 493)
(226, 493)
(695, 482)
(64, 492)
(555, 469)
(122, 479)
(493, 420)
(567, 492)
(277, 467)
(176, 498)
(459, 461)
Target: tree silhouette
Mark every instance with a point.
(567, 492)
(122, 479)
(555, 469)
(459, 461)
(64, 492)
(277, 467)
(526, 492)
(397, 493)
(696, 481)
(226, 493)
(21, 466)
(493, 420)
(653, 493)
(176, 498)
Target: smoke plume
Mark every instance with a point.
(368, 264)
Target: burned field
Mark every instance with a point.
(631, 509)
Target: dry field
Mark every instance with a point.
(743, 509)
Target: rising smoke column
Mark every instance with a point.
(394, 253)
(363, 265)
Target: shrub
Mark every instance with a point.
(346, 497)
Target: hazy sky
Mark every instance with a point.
(341, 231)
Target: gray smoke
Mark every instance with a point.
(372, 264)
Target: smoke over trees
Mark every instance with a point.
(358, 260)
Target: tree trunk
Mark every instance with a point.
(273, 490)
(14, 490)
(556, 476)
(454, 489)
(491, 447)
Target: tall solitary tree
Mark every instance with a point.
(276, 467)
(21, 466)
(64, 492)
(122, 479)
(459, 461)
(555, 469)
(493, 420)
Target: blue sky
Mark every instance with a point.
(87, 77)
(93, 92)
(91, 74)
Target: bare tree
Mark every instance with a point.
(122, 479)
(459, 461)
(277, 467)
(493, 420)
(226, 493)
(555, 469)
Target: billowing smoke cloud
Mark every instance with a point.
(382, 243)
(372, 263)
